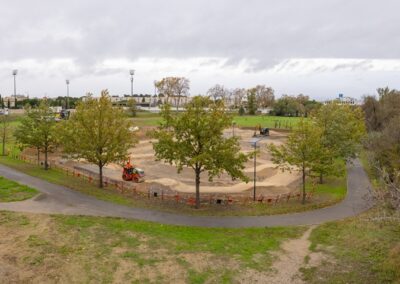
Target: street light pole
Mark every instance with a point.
(132, 72)
(67, 82)
(15, 71)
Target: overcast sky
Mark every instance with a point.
(318, 48)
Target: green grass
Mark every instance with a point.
(12, 191)
(363, 251)
(266, 121)
(333, 191)
(93, 249)
(242, 243)
(146, 121)
(280, 122)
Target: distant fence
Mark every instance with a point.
(159, 192)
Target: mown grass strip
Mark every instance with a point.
(12, 191)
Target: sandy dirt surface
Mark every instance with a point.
(269, 179)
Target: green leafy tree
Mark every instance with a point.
(37, 129)
(98, 132)
(132, 109)
(241, 111)
(5, 130)
(195, 140)
(300, 152)
(342, 128)
(251, 102)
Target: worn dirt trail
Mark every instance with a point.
(291, 260)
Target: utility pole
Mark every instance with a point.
(132, 72)
(67, 104)
(15, 72)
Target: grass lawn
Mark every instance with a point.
(333, 191)
(153, 119)
(104, 250)
(12, 191)
(266, 121)
(361, 249)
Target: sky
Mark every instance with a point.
(317, 48)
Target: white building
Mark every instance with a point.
(341, 99)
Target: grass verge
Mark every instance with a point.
(13, 191)
(104, 250)
(333, 191)
(363, 249)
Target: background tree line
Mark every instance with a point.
(382, 116)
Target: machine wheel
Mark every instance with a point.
(136, 179)
(125, 177)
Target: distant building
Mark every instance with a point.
(341, 99)
(10, 101)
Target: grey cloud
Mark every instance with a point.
(267, 31)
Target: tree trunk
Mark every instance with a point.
(101, 175)
(38, 156)
(4, 143)
(304, 186)
(321, 178)
(177, 103)
(46, 165)
(197, 188)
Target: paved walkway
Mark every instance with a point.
(61, 200)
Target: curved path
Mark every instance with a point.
(61, 200)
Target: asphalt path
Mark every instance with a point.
(56, 199)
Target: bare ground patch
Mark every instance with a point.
(42, 249)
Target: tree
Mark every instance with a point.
(371, 109)
(98, 132)
(131, 104)
(195, 140)
(175, 87)
(301, 151)
(342, 128)
(37, 129)
(293, 105)
(218, 92)
(285, 106)
(251, 102)
(264, 96)
(383, 123)
(241, 111)
(238, 95)
(4, 131)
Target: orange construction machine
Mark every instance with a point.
(132, 173)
